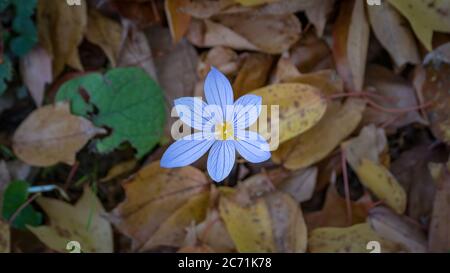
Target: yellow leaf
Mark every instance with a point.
(172, 231)
(301, 106)
(178, 21)
(51, 134)
(61, 29)
(105, 33)
(314, 145)
(154, 198)
(5, 237)
(249, 227)
(425, 17)
(272, 222)
(352, 239)
(254, 2)
(83, 223)
(120, 169)
(382, 183)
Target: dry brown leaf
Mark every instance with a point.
(157, 198)
(328, 81)
(204, 9)
(311, 54)
(269, 33)
(213, 233)
(288, 224)
(351, 40)
(61, 29)
(393, 32)
(396, 94)
(253, 73)
(317, 14)
(51, 134)
(177, 19)
(439, 235)
(314, 145)
(5, 179)
(352, 239)
(142, 13)
(136, 52)
(5, 237)
(435, 89)
(411, 170)
(106, 33)
(279, 7)
(369, 145)
(398, 229)
(83, 223)
(36, 70)
(300, 184)
(284, 71)
(334, 211)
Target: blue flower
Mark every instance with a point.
(221, 127)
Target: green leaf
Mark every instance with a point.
(14, 196)
(24, 7)
(4, 4)
(126, 100)
(5, 73)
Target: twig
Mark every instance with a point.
(71, 175)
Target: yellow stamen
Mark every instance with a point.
(224, 131)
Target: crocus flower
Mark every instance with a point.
(221, 124)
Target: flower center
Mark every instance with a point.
(224, 131)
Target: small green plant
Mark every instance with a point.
(18, 35)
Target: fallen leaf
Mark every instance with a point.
(204, 8)
(351, 40)
(61, 29)
(269, 33)
(314, 145)
(270, 224)
(398, 229)
(5, 237)
(253, 73)
(36, 70)
(177, 19)
(288, 224)
(172, 231)
(311, 54)
(142, 13)
(368, 145)
(128, 101)
(301, 106)
(284, 71)
(392, 31)
(106, 33)
(327, 81)
(317, 14)
(213, 233)
(119, 170)
(280, 7)
(382, 183)
(411, 171)
(425, 17)
(396, 94)
(157, 198)
(334, 211)
(82, 223)
(254, 2)
(435, 90)
(439, 236)
(136, 52)
(300, 184)
(352, 239)
(51, 134)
